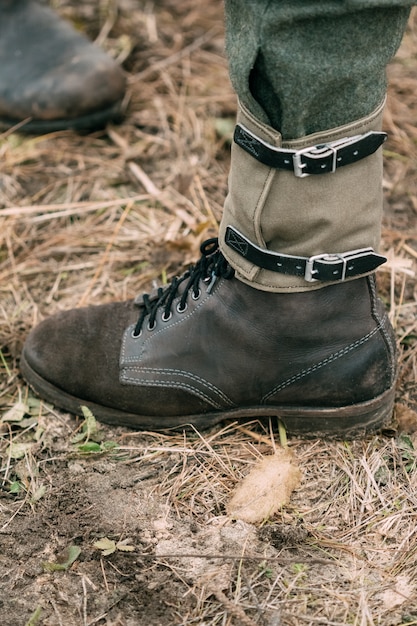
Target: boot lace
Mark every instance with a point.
(211, 266)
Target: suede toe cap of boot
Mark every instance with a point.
(76, 354)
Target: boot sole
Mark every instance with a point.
(345, 422)
(84, 123)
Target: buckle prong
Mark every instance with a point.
(298, 164)
(329, 258)
(310, 271)
(320, 151)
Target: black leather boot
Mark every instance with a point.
(210, 347)
(52, 76)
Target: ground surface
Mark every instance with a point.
(134, 531)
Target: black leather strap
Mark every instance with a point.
(323, 267)
(319, 159)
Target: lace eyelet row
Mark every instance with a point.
(167, 318)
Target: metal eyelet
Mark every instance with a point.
(166, 318)
(195, 296)
(150, 328)
(135, 335)
(181, 310)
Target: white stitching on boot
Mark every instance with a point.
(320, 364)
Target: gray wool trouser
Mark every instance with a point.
(304, 66)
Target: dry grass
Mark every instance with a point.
(88, 219)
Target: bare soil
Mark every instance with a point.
(89, 219)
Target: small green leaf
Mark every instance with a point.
(15, 487)
(64, 560)
(89, 446)
(109, 445)
(282, 434)
(106, 545)
(35, 617)
(35, 405)
(78, 437)
(90, 421)
(124, 546)
(405, 442)
(89, 427)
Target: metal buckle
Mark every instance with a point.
(321, 151)
(334, 259)
(327, 258)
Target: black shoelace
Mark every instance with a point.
(212, 265)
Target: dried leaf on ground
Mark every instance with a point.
(406, 418)
(266, 489)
